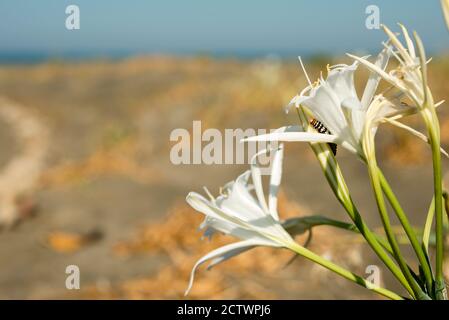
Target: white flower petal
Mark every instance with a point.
(221, 254)
(294, 136)
(413, 131)
(374, 78)
(351, 103)
(379, 71)
(257, 180)
(275, 181)
(212, 225)
(395, 41)
(445, 6)
(358, 121)
(341, 80)
(324, 103)
(201, 204)
(348, 146)
(239, 201)
(408, 41)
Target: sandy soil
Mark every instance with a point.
(106, 167)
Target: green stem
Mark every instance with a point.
(423, 259)
(377, 188)
(338, 185)
(440, 286)
(343, 272)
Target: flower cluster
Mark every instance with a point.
(331, 112)
(237, 212)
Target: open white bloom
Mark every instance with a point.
(407, 77)
(334, 102)
(239, 213)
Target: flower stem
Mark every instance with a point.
(377, 188)
(338, 185)
(428, 113)
(343, 272)
(371, 239)
(440, 286)
(423, 259)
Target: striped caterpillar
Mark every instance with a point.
(319, 126)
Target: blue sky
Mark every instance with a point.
(201, 26)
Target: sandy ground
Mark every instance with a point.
(106, 168)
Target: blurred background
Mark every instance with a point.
(85, 120)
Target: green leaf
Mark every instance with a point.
(428, 226)
(299, 225)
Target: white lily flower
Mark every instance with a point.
(407, 77)
(334, 102)
(239, 213)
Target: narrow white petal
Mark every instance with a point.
(395, 41)
(349, 147)
(414, 132)
(358, 121)
(374, 78)
(211, 225)
(275, 181)
(239, 201)
(408, 41)
(201, 204)
(445, 6)
(379, 71)
(304, 70)
(351, 103)
(257, 181)
(222, 254)
(294, 136)
(341, 80)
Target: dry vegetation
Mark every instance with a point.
(251, 275)
(111, 120)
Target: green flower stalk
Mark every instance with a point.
(346, 120)
(339, 117)
(255, 222)
(344, 273)
(336, 180)
(430, 118)
(410, 79)
(375, 176)
(417, 247)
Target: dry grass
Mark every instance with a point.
(245, 276)
(119, 159)
(149, 96)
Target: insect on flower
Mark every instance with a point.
(319, 126)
